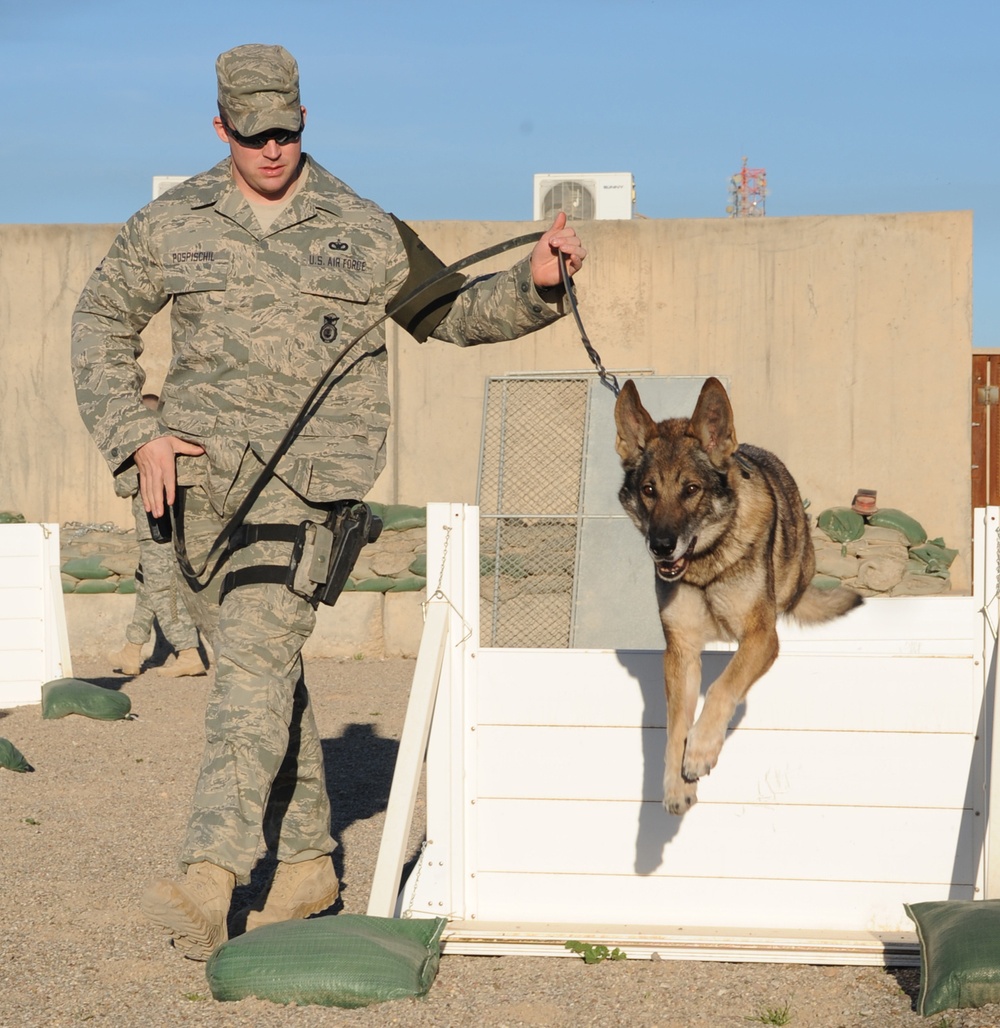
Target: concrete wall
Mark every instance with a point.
(847, 342)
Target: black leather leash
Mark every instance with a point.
(606, 377)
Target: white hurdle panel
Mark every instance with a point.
(853, 780)
(34, 646)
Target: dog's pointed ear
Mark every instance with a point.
(712, 423)
(633, 423)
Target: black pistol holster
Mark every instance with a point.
(323, 555)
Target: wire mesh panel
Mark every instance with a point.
(530, 482)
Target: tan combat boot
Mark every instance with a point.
(127, 660)
(193, 911)
(188, 662)
(298, 890)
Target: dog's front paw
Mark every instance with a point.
(679, 796)
(701, 754)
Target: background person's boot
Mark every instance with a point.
(298, 890)
(194, 910)
(127, 660)
(188, 662)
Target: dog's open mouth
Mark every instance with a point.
(671, 571)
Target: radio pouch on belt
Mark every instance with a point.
(324, 556)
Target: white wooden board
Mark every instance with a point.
(717, 842)
(34, 647)
(788, 768)
(625, 687)
(754, 905)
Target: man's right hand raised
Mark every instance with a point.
(155, 462)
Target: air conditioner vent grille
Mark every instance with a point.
(584, 196)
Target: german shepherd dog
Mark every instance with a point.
(730, 541)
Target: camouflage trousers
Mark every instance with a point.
(156, 591)
(262, 782)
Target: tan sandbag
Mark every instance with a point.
(921, 585)
(883, 551)
(880, 574)
(876, 536)
(830, 561)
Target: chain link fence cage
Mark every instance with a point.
(530, 499)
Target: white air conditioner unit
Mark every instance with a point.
(161, 183)
(585, 196)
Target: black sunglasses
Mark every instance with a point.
(258, 141)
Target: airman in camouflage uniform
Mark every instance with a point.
(270, 263)
(156, 596)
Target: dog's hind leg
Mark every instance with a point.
(757, 651)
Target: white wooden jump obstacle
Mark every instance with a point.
(854, 780)
(34, 645)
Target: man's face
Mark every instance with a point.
(263, 172)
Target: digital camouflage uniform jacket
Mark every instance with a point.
(257, 318)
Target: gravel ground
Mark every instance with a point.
(103, 814)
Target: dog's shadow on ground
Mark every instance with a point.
(656, 827)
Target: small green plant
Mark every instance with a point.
(195, 997)
(594, 954)
(31, 821)
(945, 1022)
(359, 656)
(773, 1015)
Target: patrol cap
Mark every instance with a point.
(259, 88)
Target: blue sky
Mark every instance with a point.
(444, 110)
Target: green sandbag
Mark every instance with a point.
(64, 696)
(959, 953)
(935, 555)
(841, 524)
(10, 517)
(348, 960)
(889, 517)
(87, 567)
(396, 517)
(380, 584)
(407, 585)
(96, 585)
(12, 758)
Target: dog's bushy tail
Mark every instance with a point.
(817, 605)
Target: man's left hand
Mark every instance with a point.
(545, 256)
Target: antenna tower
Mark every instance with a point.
(747, 190)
